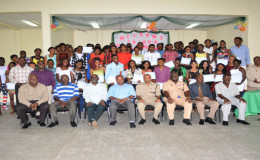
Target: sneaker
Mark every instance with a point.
(4, 107)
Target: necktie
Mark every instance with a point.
(200, 92)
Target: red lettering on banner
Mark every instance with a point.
(129, 41)
(134, 41)
(149, 42)
(127, 36)
(155, 42)
(147, 34)
(145, 47)
(141, 34)
(134, 35)
(154, 36)
(161, 37)
(122, 37)
(117, 44)
(144, 41)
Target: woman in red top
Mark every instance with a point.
(62, 53)
(97, 53)
(230, 65)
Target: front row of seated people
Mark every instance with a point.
(33, 96)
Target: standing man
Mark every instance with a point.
(124, 57)
(241, 52)
(33, 96)
(201, 96)
(170, 54)
(19, 75)
(113, 69)
(227, 95)
(95, 95)
(140, 45)
(177, 93)
(46, 78)
(160, 48)
(65, 95)
(148, 93)
(253, 75)
(152, 56)
(121, 95)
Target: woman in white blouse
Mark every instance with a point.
(64, 69)
(131, 71)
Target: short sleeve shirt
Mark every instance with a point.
(175, 89)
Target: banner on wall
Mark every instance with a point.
(134, 37)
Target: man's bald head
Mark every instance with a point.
(33, 79)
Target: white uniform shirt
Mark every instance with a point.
(95, 93)
(229, 92)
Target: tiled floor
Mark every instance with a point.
(147, 142)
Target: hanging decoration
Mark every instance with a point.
(241, 25)
(151, 27)
(56, 26)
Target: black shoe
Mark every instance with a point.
(56, 122)
(187, 122)
(171, 122)
(120, 112)
(112, 123)
(51, 125)
(225, 123)
(132, 125)
(142, 121)
(37, 117)
(242, 122)
(26, 125)
(33, 115)
(209, 120)
(42, 124)
(201, 122)
(156, 121)
(73, 124)
(18, 117)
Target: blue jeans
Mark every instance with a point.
(92, 115)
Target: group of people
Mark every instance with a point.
(122, 76)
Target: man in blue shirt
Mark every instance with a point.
(65, 95)
(241, 51)
(121, 95)
(160, 48)
(113, 69)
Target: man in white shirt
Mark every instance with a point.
(152, 55)
(227, 95)
(95, 95)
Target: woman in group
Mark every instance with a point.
(37, 56)
(192, 73)
(11, 92)
(230, 63)
(220, 70)
(51, 56)
(97, 53)
(238, 72)
(204, 67)
(79, 72)
(62, 53)
(208, 49)
(64, 69)
(178, 69)
(146, 67)
(98, 70)
(110, 53)
(201, 53)
(187, 54)
(222, 52)
(131, 71)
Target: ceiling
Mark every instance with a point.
(13, 21)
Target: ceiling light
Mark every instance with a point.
(95, 25)
(30, 23)
(143, 25)
(192, 25)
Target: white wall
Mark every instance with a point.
(13, 41)
(104, 36)
(227, 33)
(64, 35)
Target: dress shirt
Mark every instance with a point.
(28, 93)
(19, 74)
(113, 70)
(170, 55)
(121, 91)
(194, 90)
(95, 93)
(175, 90)
(148, 93)
(229, 92)
(45, 77)
(162, 76)
(243, 53)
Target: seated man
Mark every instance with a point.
(201, 96)
(95, 95)
(177, 93)
(253, 78)
(65, 95)
(227, 95)
(121, 95)
(32, 96)
(148, 93)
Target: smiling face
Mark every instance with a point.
(194, 65)
(33, 80)
(115, 59)
(2, 62)
(40, 64)
(205, 64)
(120, 80)
(65, 80)
(146, 65)
(226, 79)
(174, 76)
(177, 63)
(79, 65)
(199, 79)
(236, 64)
(94, 78)
(147, 78)
(132, 64)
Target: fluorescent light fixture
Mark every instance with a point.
(192, 25)
(143, 25)
(95, 25)
(30, 23)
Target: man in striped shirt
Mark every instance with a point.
(65, 95)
